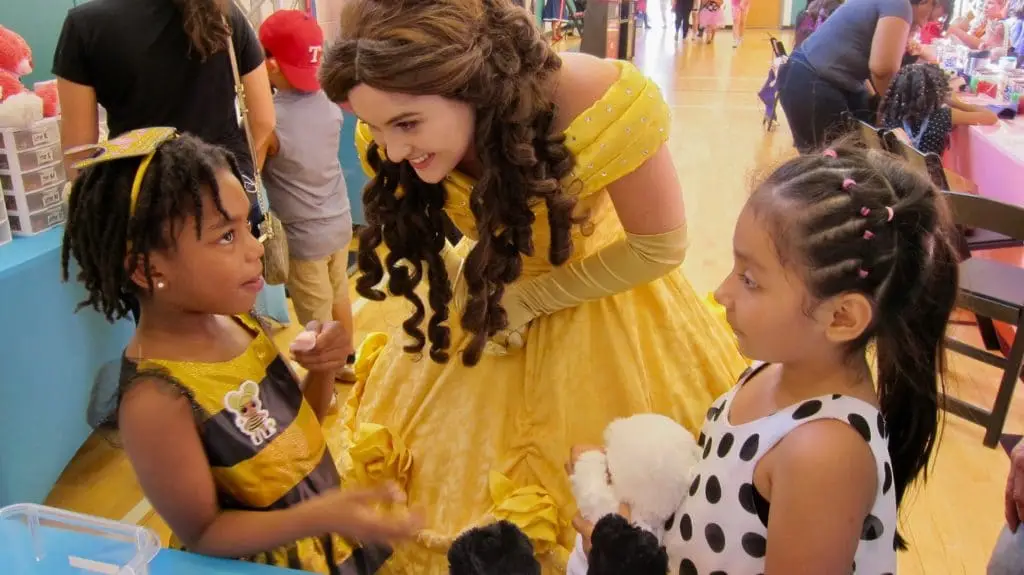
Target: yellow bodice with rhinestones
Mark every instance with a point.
(613, 137)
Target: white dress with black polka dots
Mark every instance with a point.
(722, 527)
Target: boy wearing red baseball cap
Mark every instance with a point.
(303, 174)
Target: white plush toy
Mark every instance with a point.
(647, 464)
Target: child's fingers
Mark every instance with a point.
(388, 493)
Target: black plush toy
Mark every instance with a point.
(618, 547)
(497, 549)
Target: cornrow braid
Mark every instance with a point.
(100, 228)
(856, 220)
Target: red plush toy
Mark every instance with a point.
(18, 106)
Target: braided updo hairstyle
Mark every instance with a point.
(490, 55)
(861, 221)
(915, 92)
(108, 242)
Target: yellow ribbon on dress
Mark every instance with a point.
(532, 510)
(377, 456)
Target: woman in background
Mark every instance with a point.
(861, 43)
(165, 63)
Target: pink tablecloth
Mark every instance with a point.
(992, 157)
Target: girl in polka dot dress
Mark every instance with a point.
(921, 105)
(804, 462)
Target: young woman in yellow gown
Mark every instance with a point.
(564, 307)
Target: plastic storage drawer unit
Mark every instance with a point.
(28, 160)
(31, 224)
(32, 202)
(39, 540)
(33, 180)
(41, 133)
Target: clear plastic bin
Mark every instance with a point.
(32, 202)
(38, 540)
(31, 224)
(34, 180)
(21, 162)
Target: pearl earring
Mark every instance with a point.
(159, 285)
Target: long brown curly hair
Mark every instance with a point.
(205, 25)
(490, 55)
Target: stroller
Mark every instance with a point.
(769, 93)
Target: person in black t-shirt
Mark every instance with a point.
(162, 63)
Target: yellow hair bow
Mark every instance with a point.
(143, 143)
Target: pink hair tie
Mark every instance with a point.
(892, 214)
(865, 211)
(868, 234)
(830, 153)
(848, 184)
(863, 273)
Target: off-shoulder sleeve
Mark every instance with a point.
(620, 132)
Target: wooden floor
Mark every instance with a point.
(719, 148)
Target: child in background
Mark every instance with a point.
(303, 174)
(921, 104)
(805, 463)
(710, 18)
(224, 443)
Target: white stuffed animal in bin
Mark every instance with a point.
(647, 464)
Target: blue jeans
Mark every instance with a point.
(814, 106)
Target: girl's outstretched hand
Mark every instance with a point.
(586, 528)
(323, 347)
(365, 515)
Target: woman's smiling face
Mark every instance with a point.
(432, 133)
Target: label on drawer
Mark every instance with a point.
(55, 217)
(50, 198)
(47, 177)
(44, 156)
(40, 137)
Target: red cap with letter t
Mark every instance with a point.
(294, 39)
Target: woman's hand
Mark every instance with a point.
(356, 514)
(330, 351)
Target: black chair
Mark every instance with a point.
(995, 290)
(872, 137)
(931, 164)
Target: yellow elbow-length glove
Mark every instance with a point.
(633, 261)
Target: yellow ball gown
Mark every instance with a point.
(475, 444)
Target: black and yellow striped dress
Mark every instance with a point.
(265, 446)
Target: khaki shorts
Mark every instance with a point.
(316, 285)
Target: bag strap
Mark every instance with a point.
(266, 230)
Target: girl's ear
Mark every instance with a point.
(137, 275)
(846, 317)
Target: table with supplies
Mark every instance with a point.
(992, 157)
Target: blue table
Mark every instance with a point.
(49, 356)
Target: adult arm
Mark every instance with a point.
(253, 71)
(79, 111)
(887, 48)
(823, 484)
(79, 124)
(649, 204)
